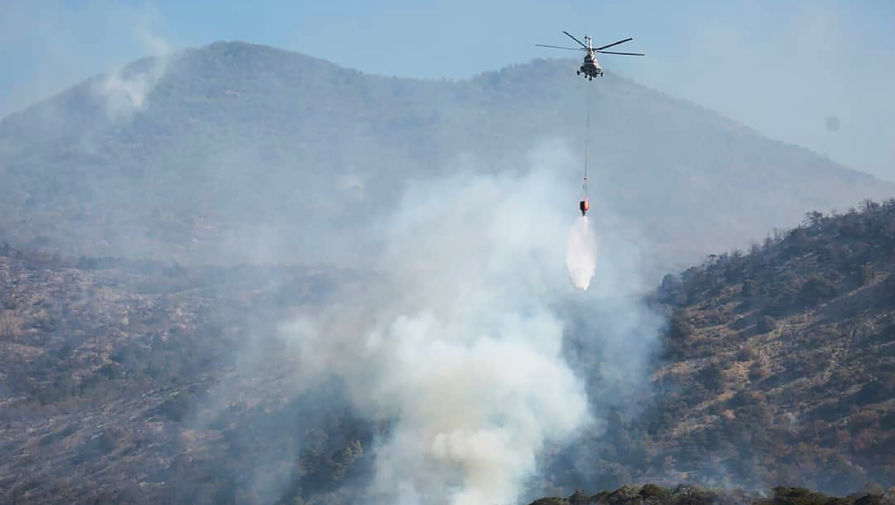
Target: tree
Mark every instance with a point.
(814, 218)
(815, 290)
(766, 324)
(712, 377)
(671, 290)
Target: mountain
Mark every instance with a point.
(238, 152)
(779, 364)
(142, 382)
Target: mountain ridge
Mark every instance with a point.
(219, 133)
(141, 63)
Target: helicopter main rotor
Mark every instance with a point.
(587, 47)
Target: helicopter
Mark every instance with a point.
(591, 67)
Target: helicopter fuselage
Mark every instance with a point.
(591, 67)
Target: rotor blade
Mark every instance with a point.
(557, 47)
(626, 54)
(614, 44)
(573, 38)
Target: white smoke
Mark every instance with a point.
(456, 344)
(125, 93)
(581, 253)
(126, 90)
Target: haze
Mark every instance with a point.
(812, 73)
(315, 254)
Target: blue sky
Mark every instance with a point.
(791, 69)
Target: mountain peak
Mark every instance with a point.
(239, 51)
(235, 132)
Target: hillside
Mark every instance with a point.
(140, 382)
(134, 382)
(781, 362)
(237, 152)
(777, 368)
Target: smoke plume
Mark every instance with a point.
(581, 254)
(456, 346)
(126, 90)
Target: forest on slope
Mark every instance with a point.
(777, 368)
(780, 363)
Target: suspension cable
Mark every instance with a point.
(587, 92)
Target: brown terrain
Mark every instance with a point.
(110, 372)
(141, 382)
(780, 363)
